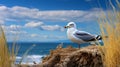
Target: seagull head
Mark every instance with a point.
(71, 25)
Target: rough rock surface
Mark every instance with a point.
(73, 57)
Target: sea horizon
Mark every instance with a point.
(38, 51)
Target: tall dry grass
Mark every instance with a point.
(4, 53)
(110, 26)
(7, 56)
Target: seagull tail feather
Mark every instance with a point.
(99, 37)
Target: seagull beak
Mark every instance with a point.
(65, 26)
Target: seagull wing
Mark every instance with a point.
(84, 36)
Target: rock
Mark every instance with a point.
(73, 57)
(52, 61)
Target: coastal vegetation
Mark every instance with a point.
(110, 26)
(109, 53)
(5, 58)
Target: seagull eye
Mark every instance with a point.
(72, 25)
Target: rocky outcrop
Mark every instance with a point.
(73, 57)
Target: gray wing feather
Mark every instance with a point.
(84, 36)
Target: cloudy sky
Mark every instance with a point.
(44, 20)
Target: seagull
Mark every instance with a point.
(79, 37)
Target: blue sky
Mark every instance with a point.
(44, 20)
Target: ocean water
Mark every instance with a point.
(38, 50)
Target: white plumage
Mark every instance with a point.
(80, 36)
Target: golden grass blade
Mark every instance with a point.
(7, 58)
(110, 26)
(4, 53)
(25, 54)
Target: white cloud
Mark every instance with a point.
(38, 36)
(18, 13)
(42, 26)
(52, 27)
(34, 35)
(33, 17)
(13, 29)
(18, 32)
(46, 36)
(33, 24)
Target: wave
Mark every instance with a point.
(30, 59)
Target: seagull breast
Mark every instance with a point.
(70, 34)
